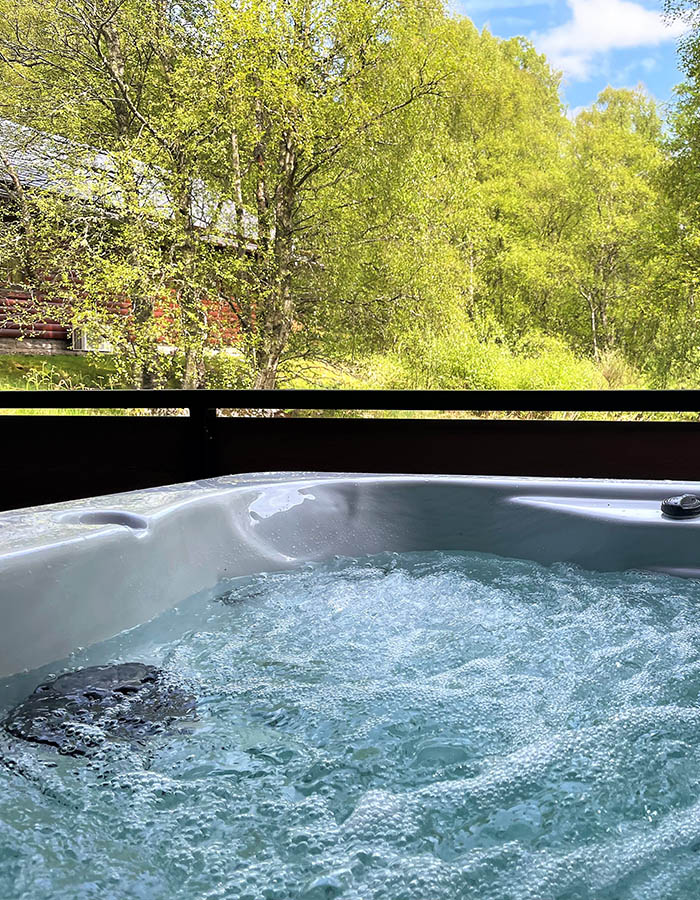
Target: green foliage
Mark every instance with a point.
(343, 181)
(462, 362)
(60, 372)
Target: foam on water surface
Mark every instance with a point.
(410, 727)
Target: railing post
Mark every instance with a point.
(201, 419)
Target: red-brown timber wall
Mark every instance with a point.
(25, 315)
(17, 308)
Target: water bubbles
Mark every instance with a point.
(428, 726)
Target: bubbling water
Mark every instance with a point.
(424, 726)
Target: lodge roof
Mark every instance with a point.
(49, 162)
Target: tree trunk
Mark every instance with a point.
(238, 193)
(594, 331)
(277, 337)
(266, 379)
(590, 300)
(143, 345)
(281, 315)
(148, 378)
(261, 192)
(472, 287)
(115, 57)
(192, 378)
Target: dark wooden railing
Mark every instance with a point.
(49, 458)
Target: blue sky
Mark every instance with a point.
(594, 42)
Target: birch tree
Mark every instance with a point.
(258, 107)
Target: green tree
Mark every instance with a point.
(256, 112)
(337, 178)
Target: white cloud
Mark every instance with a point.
(486, 6)
(599, 26)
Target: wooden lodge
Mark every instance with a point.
(30, 321)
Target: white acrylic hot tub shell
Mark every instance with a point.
(77, 573)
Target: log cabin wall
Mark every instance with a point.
(24, 316)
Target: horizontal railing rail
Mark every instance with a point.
(480, 401)
(50, 458)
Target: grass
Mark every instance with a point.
(385, 372)
(22, 372)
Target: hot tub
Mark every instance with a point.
(74, 574)
(356, 687)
